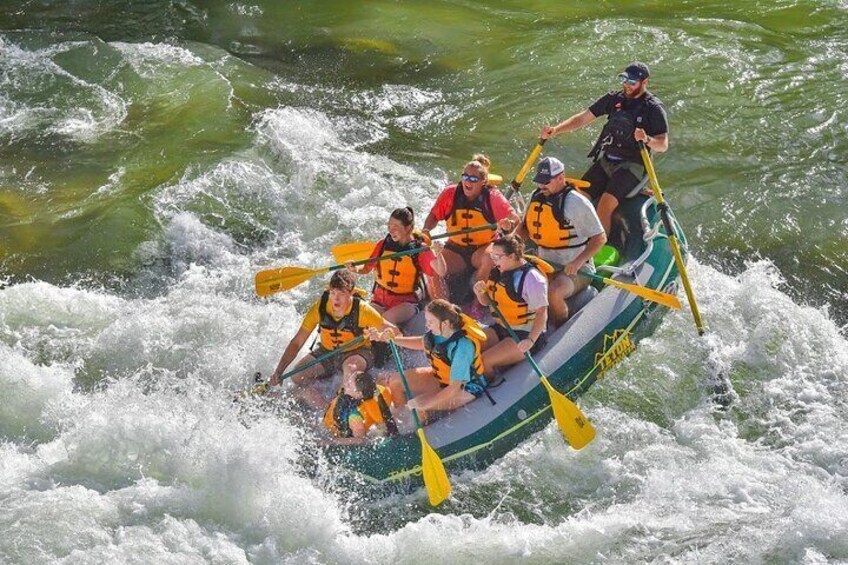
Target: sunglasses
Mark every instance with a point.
(471, 178)
(497, 256)
(626, 80)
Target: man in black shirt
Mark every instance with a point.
(634, 115)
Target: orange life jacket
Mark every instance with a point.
(503, 292)
(467, 214)
(335, 333)
(373, 411)
(546, 223)
(440, 357)
(400, 275)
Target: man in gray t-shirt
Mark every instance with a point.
(566, 228)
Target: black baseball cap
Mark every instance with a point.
(635, 71)
(548, 168)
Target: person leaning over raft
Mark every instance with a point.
(566, 229)
(341, 315)
(398, 282)
(468, 204)
(634, 115)
(519, 288)
(359, 405)
(455, 375)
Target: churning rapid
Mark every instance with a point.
(153, 159)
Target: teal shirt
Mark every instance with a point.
(462, 356)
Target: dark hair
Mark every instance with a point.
(404, 215)
(343, 280)
(444, 311)
(365, 384)
(511, 244)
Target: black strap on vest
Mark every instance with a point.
(348, 322)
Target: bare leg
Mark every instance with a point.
(421, 381)
(482, 264)
(436, 287)
(606, 206)
(454, 261)
(401, 313)
(502, 354)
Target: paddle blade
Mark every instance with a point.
(277, 280)
(435, 478)
(663, 298)
(576, 428)
(352, 252)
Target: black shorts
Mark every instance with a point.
(615, 178)
(464, 251)
(502, 334)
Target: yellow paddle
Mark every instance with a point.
(657, 296)
(672, 236)
(515, 185)
(576, 428)
(435, 478)
(359, 250)
(284, 278)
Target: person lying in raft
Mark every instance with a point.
(342, 315)
(359, 405)
(518, 285)
(471, 203)
(455, 376)
(566, 229)
(398, 283)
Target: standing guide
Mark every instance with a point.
(634, 115)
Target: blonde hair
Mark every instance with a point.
(480, 167)
(483, 159)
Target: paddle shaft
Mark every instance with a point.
(515, 185)
(672, 237)
(514, 336)
(466, 230)
(324, 357)
(406, 388)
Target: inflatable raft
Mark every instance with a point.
(605, 328)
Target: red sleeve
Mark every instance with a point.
(500, 205)
(378, 250)
(425, 262)
(444, 203)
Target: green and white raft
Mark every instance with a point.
(599, 335)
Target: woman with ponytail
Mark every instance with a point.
(453, 344)
(399, 283)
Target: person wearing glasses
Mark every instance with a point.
(633, 115)
(566, 230)
(519, 288)
(468, 204)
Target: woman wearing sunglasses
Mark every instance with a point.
(519, 288)
(633, 115)
(468, 204)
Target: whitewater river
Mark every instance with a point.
(155, 155)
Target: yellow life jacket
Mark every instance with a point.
(503, 292)
(467, 214)
(547, 225)
(441, 355)
(373, 411)
(335, 333)
(400, 275)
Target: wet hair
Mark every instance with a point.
(483, 159)
(479, 166)
(444, 311)
(404, 215)
(511, 245)
(343, 280)
(365, 384)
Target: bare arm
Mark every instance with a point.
(289, 354)
(439, 265)
(657, 143)
(593, 245)
(576, 121)
(539, 324)
(430, 222)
